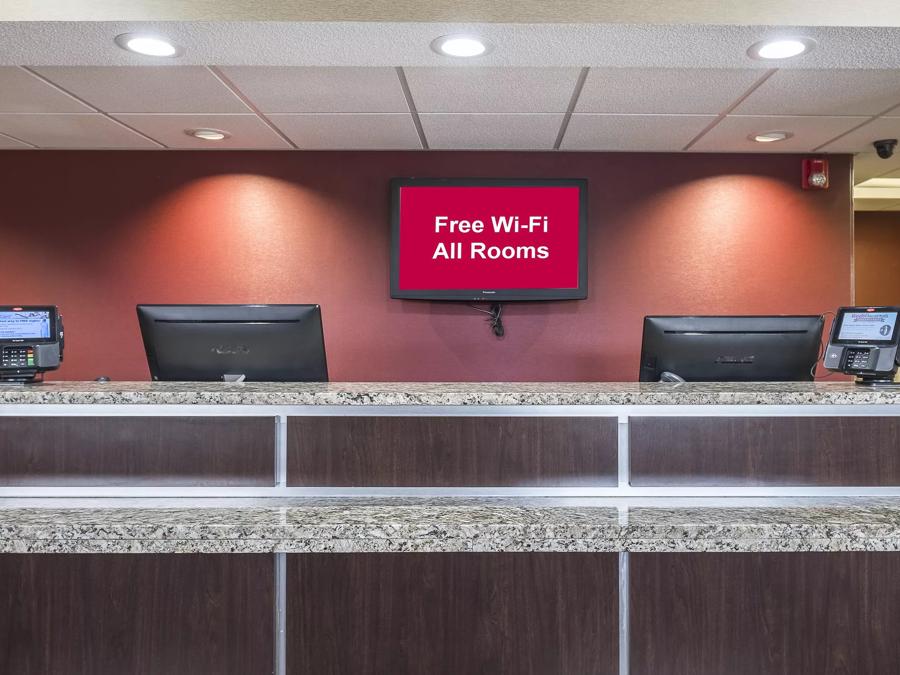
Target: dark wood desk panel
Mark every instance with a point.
(452, 613)
(452, 451)
(761, 451)
(162, 451)
(110, 614)
(764, 613)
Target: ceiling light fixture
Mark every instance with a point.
(207, 134)
(771, 136)
(147, 45)
(783, 48)
(461, 46)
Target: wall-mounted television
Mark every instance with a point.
(489, 239)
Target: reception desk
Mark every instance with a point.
(449, 528)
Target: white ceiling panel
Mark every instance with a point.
(824, 92)
(649, 133)
(384, 131)
(148, 89)
(663, 90)
(491, 90)
(868, 165)
(7, 143)
(731, 134)
(244, 131)
(320, 90)
(72, 131)
(22, 92)
(861, 139)
(491, 132)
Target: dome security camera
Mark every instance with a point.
(885, 147)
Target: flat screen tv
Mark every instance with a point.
(489, 239)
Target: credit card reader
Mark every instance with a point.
(31, 342)
(864, 343)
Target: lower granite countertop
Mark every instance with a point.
(352, 525)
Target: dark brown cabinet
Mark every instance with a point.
(452, 451)
(131, 451)
(764, 451)
(112, 614)
(765, 613)
(452, 614)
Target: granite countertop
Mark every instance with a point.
(459, 393)
(117, 525)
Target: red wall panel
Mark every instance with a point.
(877, 257)
(98, 232)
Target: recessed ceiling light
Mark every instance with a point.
(463, 46)
(783, 48)
(207, 134)
(771, 136)
(148, 45)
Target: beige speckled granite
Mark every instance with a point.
(465, 393)
(455, 525)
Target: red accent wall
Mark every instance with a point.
(877, 257)
(97, 232)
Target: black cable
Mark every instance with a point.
(495, 318)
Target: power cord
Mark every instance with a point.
(495, 318)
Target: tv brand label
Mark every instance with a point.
(454, 237)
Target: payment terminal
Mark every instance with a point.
(864, 343)
(31, 342)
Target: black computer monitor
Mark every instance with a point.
(264, 343)
(731, 348)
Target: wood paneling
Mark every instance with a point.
(750, 451)
(109, 451)
(765, 613)
(452, 451)
(112, 614)
(452, 613)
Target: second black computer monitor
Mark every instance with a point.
(731, 348)
(261, 343)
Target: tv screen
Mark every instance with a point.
(489, 239)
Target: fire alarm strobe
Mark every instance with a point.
(814, 174)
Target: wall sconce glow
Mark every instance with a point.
(207, 134)
(461, 46)
(771, 136)
(148, 45)
(781, 49)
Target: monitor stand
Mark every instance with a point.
(19, 379)
(877, 382)
(233, 378)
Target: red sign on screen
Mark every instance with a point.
(455, 237)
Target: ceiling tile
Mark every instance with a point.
(315, 90)
(491, 90)
(72, 131)
(663, 90)
(644, 133)
(491, 132)
(861, 139)
(245, 131)
(147, 89)
(730, 135)
(7, 143)
(824, 92)
(868, 165)
(385, 131)
(22, 92)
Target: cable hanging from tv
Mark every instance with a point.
(495, 317)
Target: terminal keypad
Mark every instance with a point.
(17, 357)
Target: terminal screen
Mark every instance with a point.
(867, 326)
(24, 325)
